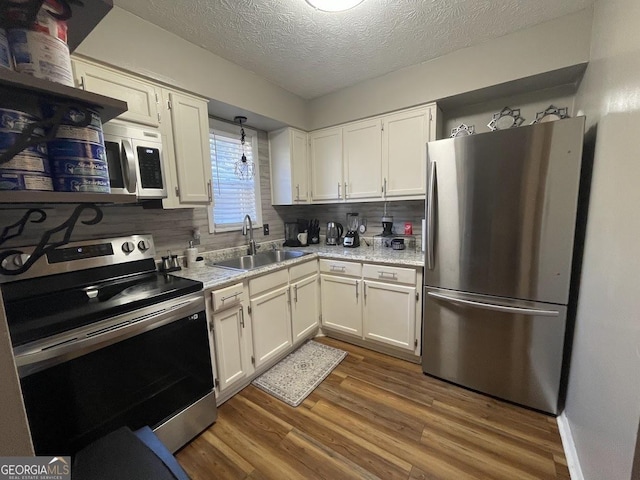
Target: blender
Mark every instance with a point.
(352, 238)
(387, 223)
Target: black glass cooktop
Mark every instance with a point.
(59, 307)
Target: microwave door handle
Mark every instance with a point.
(129, 167)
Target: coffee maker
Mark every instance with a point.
(352, 237)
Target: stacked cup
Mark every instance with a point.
(30, 169)
(41, 50)
(78, 156)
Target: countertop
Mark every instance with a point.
(214, 277)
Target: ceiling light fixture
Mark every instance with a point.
(333, 5)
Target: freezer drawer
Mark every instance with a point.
(508, 348)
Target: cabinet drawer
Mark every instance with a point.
(226, 297)
(343, 268)
(386, 273)
(268, 282)
(303, 270)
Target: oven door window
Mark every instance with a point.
(143, 380)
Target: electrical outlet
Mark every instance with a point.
(265, 229)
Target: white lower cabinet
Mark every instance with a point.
(230, 328)
(230, 348)
(378, 306)
(305, 310)
(271, 321)
(390, 314)
(341, 305)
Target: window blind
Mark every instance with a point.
(233, 197)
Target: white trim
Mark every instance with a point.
(569, 447)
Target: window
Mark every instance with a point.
(233, 197)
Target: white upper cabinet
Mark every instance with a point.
(404, 152)
(289, 167)
(362, 149)
(326, 165)
(188, 159)
(142, 97)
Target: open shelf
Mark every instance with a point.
(11, 81)
(31, 196)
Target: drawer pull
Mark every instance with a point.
(340, 268)
(228, 297)
(382, 274)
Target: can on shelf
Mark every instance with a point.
(17, 180)
(71, 183)
(63, 148)
(27, 163)
(80, 167)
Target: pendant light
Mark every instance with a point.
(243, 167)
(333, 5)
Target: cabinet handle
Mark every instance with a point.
(209, 190)
(364, 286)
(177, 192)
(339, 189)
(357, 285)
(228, 297)
(298, 193)
(295, 293)
(345, 189)
(382, 274)
(81, 84)
(384, 188)
(242, 317)
(289, 296)
(340, 268)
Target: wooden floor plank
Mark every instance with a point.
(374, 417)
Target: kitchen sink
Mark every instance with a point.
(249, 262)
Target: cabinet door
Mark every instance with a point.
(404, 152)
(341, 304)
(326, 164)
(304, 307)
(362, 147)
(271, 323)
(142, 98)
(390, 314)
(230, 351)
(299, 166)
(190, 132)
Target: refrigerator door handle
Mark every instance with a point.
(431, 190)
(498, 308)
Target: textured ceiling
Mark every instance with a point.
(311, 53)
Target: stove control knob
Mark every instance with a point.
(128, 247)
(144, 245)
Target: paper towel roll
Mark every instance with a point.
(191, 254)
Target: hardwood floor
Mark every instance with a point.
(376, 417)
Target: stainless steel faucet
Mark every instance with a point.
(252, 242)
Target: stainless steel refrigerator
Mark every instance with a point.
(501, 214)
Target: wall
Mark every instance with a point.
(171, 229)
(603, 400)
(545, 47)
(126, 41)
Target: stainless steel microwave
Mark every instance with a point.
(134, 156)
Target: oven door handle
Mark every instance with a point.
(38, 356)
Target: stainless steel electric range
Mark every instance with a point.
(102, 340)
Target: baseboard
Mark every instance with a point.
(569, 447)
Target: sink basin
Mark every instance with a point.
(249, 262)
